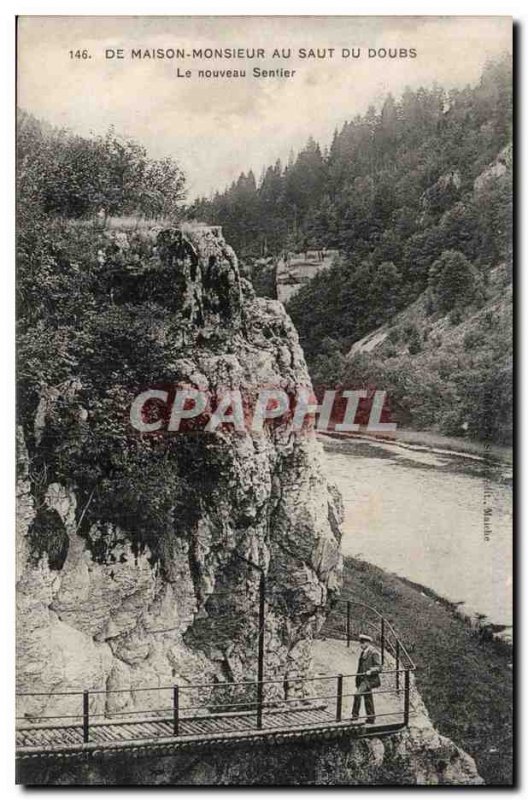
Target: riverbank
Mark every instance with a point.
(432, 442)
(465, 679)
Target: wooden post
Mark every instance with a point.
(86, 716)
(262, 623)
(348, 623)
(406, 699)
(175, 710)
(383, 640)
(397, 665)
(339, 703)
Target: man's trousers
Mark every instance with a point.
(364, 691)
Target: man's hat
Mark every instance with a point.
(364, 638)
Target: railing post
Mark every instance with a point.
(176, 710)
(406, 698)
(261, 623)
(86, 716)
(348, 623)
(397, 665)
(339, 703)
(383, 640)
(260, 675)
(260, 696)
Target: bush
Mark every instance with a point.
(413, 338)
(451, 423)
(486, 393)
(328, 367)
(452, 281)
(75, 176)
(415, 344)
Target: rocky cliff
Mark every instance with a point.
(183, 607)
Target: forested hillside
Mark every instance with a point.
(61, 174)
(417, 198)
(92, 298)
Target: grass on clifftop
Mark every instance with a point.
(465, 681)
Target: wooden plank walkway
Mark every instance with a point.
(54, 738)
(325, 712)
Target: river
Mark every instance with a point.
(420, 514)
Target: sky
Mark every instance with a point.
(217, 128)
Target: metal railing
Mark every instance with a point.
(210, 709)
(350, 617)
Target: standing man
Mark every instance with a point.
(367, 679)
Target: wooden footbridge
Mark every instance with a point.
(197, 714)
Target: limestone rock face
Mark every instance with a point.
(129, 620)
(427, 757)
(496, 170)
(409, 758)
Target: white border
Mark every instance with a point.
(515, 8)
